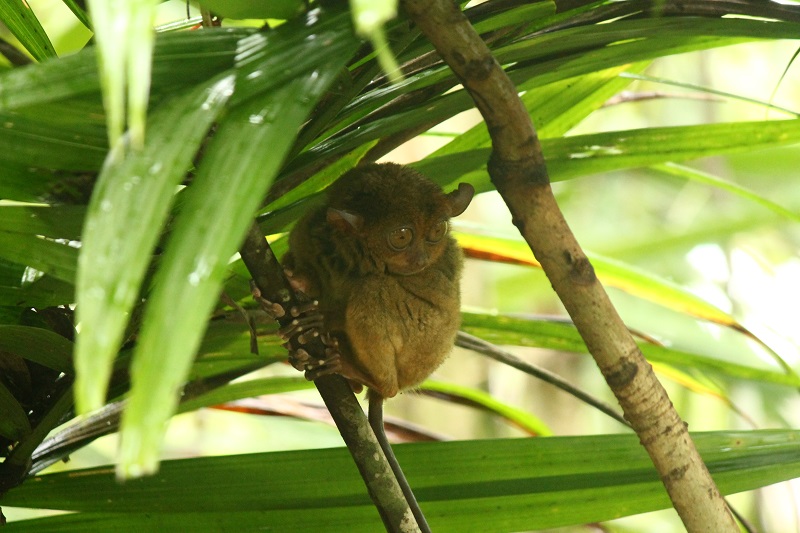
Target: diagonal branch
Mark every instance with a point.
(478, 345)
(367, 453)
(518, 171)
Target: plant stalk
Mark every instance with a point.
(517, 169)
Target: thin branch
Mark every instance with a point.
(518, 171)
(626, 97)
(470, 342)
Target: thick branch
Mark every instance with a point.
(517, 169)
(336, 393)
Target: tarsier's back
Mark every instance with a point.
(378, 257)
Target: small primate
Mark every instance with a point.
(378, 258)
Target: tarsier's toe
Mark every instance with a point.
(324, 367)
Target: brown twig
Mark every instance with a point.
(518, 171)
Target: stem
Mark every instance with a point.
(518, 171)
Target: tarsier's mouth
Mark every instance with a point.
(404, 272)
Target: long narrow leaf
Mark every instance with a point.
(135, 192)
(14, 423)
(20, 19)
(564, 337)
(124, 34)
(79, 12)
(57, 259)
(39, 143)
(698, 176)
(570, 157)
(525, 420)
(568, 102)
(611, 272)
(38, 345)
(239, 166)
(246, 389)
(482, 486)
(180, 60)
(60, 222)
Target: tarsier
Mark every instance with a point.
(378, 258)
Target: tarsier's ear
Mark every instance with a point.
(460, 198)
(344, 220)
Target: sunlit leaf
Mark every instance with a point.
(247, 389)
(515, 16)
(233, 177)
(569, 102)
(523, 419)
(254, 9)
(611, 272)
(79, 12)
(579, 155)
(124, 34)
(710, 91)
(135, 190)
(20, 19)
(698, 176)
(559, 335)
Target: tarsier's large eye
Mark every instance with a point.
(400, 238)
(437, 231)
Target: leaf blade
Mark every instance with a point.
(113, 260)
(531, 484)
(21, 20)
(196, 257)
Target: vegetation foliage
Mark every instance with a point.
(133, 245)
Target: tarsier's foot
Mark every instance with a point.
(316, 368)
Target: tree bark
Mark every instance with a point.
(517, 169)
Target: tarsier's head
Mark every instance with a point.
(399, 216)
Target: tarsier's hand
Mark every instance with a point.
(306, 320)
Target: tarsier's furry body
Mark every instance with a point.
(378, 258)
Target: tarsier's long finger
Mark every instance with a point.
(306, 327)
(273, 309)
(305, 308)
(300, 359)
